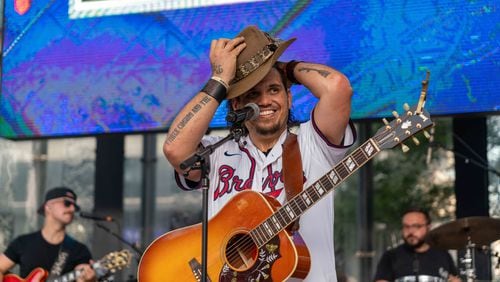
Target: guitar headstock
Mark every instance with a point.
(413, 121)
(116, 260)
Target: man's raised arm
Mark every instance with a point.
(192, 122)
(334, 91)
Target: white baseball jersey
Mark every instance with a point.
(235, 167)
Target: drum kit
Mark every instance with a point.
(470, 234)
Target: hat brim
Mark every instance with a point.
(257, 75)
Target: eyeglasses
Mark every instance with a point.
(68, 203)
(414, 226)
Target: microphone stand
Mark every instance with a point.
(199, 161)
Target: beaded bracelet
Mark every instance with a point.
(289, 69)
(215, 89)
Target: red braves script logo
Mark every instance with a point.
(272, 184)
(22, 6)
(228, 181)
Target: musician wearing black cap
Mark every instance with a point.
(415, 259)
(50, 248)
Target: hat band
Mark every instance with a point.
(256, 61)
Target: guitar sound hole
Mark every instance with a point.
(241, 252)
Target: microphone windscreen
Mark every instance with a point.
(255, 110)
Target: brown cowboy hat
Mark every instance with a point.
(256, 60)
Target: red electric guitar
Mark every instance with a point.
(108, 264)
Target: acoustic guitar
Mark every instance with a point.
(248, 239)
(108, 264)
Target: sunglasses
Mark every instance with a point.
(68, 203)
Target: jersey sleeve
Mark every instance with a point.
(314, 144)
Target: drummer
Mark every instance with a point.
(416, 260)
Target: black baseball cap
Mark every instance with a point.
(58, 192)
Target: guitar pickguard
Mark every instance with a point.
(261, 270)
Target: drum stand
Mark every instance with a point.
(469, 258)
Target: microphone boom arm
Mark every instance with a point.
(135, 248)
(236, 132)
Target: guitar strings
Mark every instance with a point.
(246, 243)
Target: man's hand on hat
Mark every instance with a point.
(223, 54)
(287, 68)
(281, 66)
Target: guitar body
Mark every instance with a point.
(176, 255)
(29, 278)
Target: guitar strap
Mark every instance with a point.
(61, 259)
(293, 175)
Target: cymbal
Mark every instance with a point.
(481, 230)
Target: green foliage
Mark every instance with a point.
(400, 180)
(403, 180)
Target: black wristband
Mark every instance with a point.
(289, 69)
(215, 89)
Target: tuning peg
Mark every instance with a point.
(396, 115)
(415, 140)
(404, 148)
(427, 134)
(406, 106)
(387, 126)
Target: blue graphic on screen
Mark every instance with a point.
(132, 72)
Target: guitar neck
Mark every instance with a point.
(71, 276)
(295, 207)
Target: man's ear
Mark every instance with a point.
(233, 103)
(289, 98)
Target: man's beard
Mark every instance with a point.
(417, 245)
(265, 131)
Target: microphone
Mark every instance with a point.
(249, 112)
(96, 217)
(429, 149)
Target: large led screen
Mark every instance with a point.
(84, 67)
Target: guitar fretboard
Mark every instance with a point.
(295, 207)
(71, 276)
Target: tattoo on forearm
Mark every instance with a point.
(206, 99)
(323, 73)
(196, 108)
(217, 69)
(172, 135)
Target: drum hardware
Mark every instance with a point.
(420, 278)
(468, 260)
(469, 233)
(481, 230)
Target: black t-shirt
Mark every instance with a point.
(31, 251)
(403, 261)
